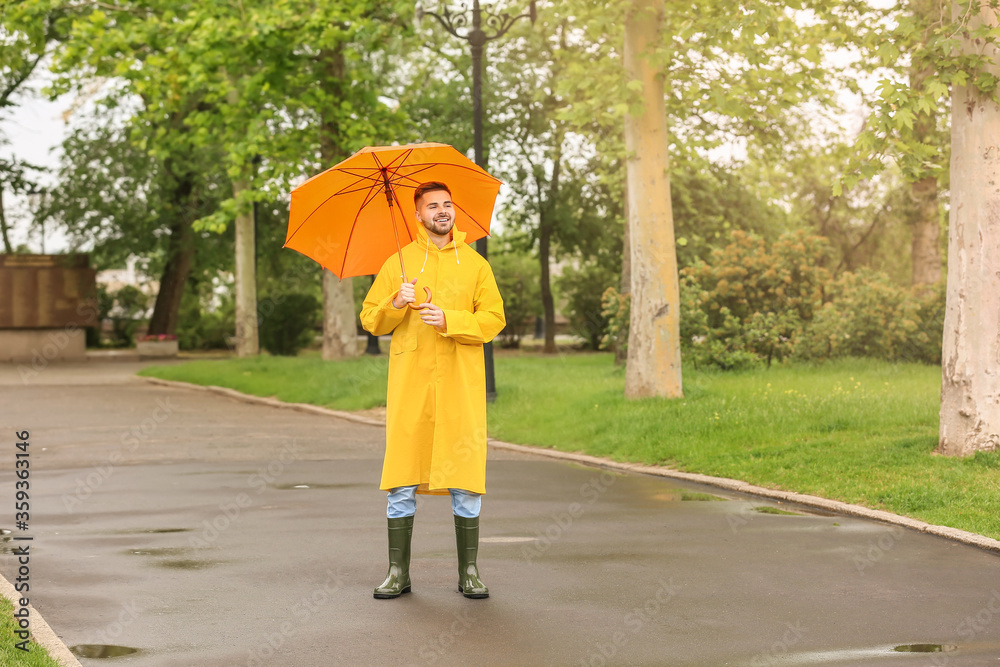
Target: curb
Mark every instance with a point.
(41, 633)
(954, 534)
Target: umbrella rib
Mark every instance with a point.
(476, 222)
(368, 199)
(392, 218)
(323, 203)
(476, 168)
(402, 156)
(400, 207)
(399, 177)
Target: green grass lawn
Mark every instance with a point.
(860, 431)
(9, 654)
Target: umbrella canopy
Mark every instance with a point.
(354, 215)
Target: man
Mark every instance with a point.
(436, 399)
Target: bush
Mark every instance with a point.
(289, 325)
(199, 328)
(616, 308)
(749, 305)
(868, 316)
(105, 302)
(518, 277)
(583, 289)
(128, 308)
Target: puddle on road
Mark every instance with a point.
(161, 551)
(845, 656)
(768, 509)
(101, 650)
(187, 564)
(5, 540)
(691, 495)
(925, 648)
(152, 531)
(674, 495)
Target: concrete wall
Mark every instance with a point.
(42, 345)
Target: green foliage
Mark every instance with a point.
(10, 655)
(123, 202)
(868, 316)
(105, 302)
(516, 273)
(276, 87)
(204, 325)
(616, 309)
(288, 324)
(749, 304)
(948, 45)
(127, 311)
(755, 304)
(708, 202)
(583, 289)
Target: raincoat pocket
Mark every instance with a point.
(402, 343)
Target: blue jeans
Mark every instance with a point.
(403, 502)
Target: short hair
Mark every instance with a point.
(430, 186)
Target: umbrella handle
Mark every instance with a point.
(415, 306)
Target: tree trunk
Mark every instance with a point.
(166, 312)
(340, 338)
(3, 226)
(970, 383)
(625, 287)
(339, 325)
(548, 305)
(926, 229)
(546, 218)
(247, 342)
(180, 253)
(924, 221)
(654, 355)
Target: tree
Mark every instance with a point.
(654, 350)
(123, 202)
(252, 79)
(26, 32)
(970, 411)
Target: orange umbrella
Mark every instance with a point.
(352, 217)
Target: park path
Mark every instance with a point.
(202, 530)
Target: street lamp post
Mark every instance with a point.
(457, 23)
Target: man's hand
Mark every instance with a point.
(434, 316)
(407, 294)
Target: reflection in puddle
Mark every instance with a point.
(314, 485)
(925, 648)
(865, 655)
(101, 650)
(162, 551)
(767, 509)
(691, 495)
(187, 564)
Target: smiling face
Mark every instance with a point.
(435, 213)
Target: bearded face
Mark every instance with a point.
(436, 212)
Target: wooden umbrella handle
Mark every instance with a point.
(415, 306)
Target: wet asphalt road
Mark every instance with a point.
(202, 530)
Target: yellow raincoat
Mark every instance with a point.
(436, 400)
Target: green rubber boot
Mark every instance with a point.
(467, 538)
(397, 580)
